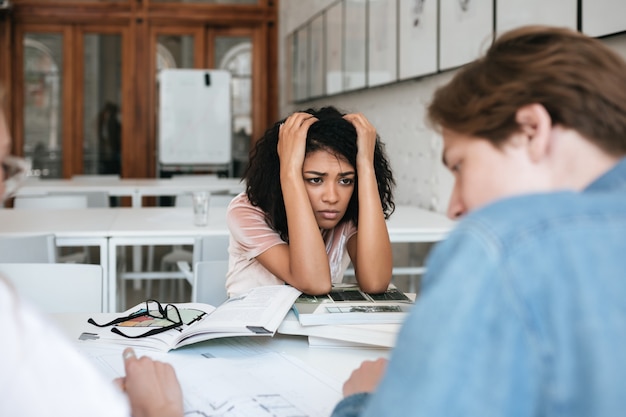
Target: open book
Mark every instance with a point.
(258, 312)
(347, 304)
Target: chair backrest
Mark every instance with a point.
(50, 202)
(209, 282)
(212, 248)
(210, 268)
(95, 199)
(31, 249)
(58, 288)
(96, 177)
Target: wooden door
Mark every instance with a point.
(96, 75)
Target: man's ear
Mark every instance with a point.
(536, 125)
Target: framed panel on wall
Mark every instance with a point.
(603, 17)
(290, 67)
(302, 64)
(334, 48)
(514, 13)
(417, 43)
(466, 28)
(382, 42)
(316, 56)
(354, 45)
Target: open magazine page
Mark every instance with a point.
(258, 312)
(191, 314)
(347, 304)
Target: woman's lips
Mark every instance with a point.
(329, 214)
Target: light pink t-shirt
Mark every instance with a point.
(250, 236)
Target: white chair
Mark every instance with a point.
(56, 202)
(209, 282)
(50, 202)
(58, 288)
(95, 199)
(31, 249)
(208, 278)
(96, 177)
(179, 255)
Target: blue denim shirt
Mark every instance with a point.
(522, 313)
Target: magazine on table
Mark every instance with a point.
(380, 335)
(347, 304)
(163, 327)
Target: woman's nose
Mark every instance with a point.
(330, 193)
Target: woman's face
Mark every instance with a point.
(329, 181)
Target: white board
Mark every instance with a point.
(603, 17)
(194, 117)
(515, 13)
(466, 30)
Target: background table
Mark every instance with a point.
(112, 228)
(155, 226)
(74, 228)
(336, 362)
(136, 188)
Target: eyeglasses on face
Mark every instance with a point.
(14, 173)
(153, 309)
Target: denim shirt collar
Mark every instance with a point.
(612, 180)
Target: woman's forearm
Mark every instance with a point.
(373, 266)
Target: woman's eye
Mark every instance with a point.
(346, 181)
(314, 180)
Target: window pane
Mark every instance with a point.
(102, 129)
(174, 51)
(43, 62)
(234, 53)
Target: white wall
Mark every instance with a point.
(397, 111)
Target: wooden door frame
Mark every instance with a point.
(18, 85)
(260, 76)
(79, 104)
(72, 97)
(141, 19)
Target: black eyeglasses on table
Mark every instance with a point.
(153, 309)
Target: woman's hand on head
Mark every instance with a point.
(366, 136)
(152, 387)
(365, 378)
(292, 140)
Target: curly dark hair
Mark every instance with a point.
(331, 133)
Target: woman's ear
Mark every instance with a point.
(536, 125)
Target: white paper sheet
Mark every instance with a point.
(247, 381)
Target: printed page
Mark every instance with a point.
(256, 384)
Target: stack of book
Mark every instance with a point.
(347, 316)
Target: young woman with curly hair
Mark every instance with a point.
(318, 191)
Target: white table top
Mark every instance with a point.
(71, 223)
(159, 221)
(407, 224)
(336, 362)
(133, 187)
(414, 224)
